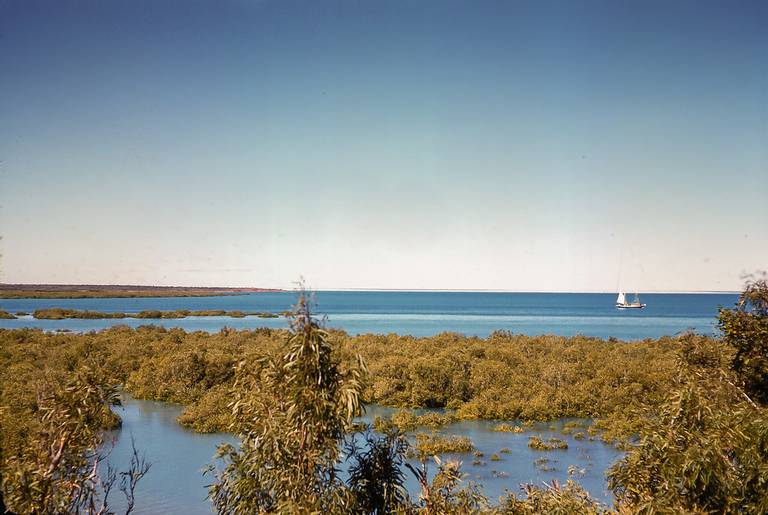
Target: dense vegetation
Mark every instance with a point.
(51, 435)
(505, 376)
(695, 406)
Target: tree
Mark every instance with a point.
(745, 328)
(3, 508)
(704, 449)
(291, 412)
(59, 468)
(376, 476)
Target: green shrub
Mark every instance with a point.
(537, 444)
(427, 445)
(508, 428)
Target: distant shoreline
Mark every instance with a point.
(86, 291)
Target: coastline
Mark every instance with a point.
(107, 291)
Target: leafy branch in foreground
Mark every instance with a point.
(745, 328)
(59, 467)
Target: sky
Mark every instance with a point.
(427, 144)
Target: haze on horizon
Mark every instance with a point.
(524, 146)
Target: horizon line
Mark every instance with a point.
(494, 290)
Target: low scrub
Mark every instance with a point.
(508, 428)
(537, 444)
(405, 420)
(61, 314)
(432, 445)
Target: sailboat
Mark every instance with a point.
(621, 302)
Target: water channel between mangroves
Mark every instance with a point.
(176, 484)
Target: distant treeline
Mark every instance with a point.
(61, 314)
(66, 291)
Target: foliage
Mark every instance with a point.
(291, 412)
(745, 328)
(376, 474)
(507, 428)
(444, 494)
(57, 467)
(552, 499)
(431, 445)
(537, 444)
(504, 376)
(511, 377)
(210, 413)
(61, 314)
(703, 450)
(405, 420)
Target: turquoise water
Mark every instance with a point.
(416, 313)
(176, 484)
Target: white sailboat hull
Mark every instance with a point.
(630, 306)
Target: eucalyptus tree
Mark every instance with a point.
(745, 328)
(377, 473)
(291, 411)
(704, 449)
(54, 461)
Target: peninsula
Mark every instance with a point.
(84, 291)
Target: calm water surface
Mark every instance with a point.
(415, 313)
(176, 484)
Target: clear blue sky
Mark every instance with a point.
(521, 145)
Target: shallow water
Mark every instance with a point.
(590, 458)
(414, 313)
(175, 483)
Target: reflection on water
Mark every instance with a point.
(176, 484)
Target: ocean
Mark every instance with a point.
(418, 313)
